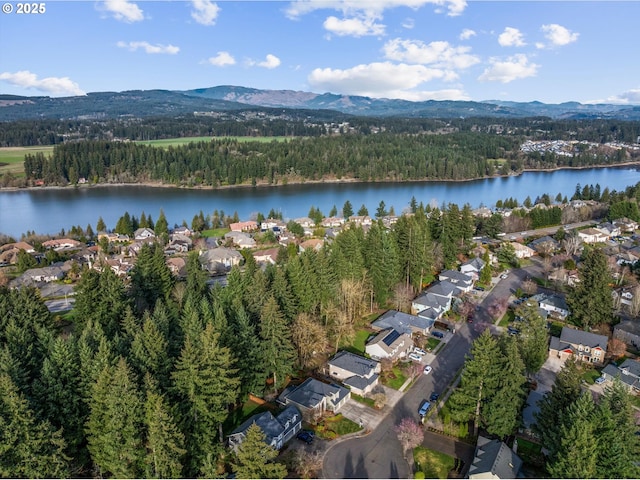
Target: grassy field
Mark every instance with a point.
(433, 464)
(12, 158)
(173, 142)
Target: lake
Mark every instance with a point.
(50, 210)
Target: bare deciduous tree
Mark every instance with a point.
(616, 348)
(307, 463)
(402, 296)
(529, 287)
(571, 244)
(309, 337)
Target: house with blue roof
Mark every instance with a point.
(277, 430)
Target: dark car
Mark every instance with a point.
(305, 437)
(434, 397)
(438, 334)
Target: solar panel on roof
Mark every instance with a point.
(392, 337)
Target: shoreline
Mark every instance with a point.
(329, 181)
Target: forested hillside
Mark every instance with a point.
(379, 157)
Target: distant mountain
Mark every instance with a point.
(145, 103)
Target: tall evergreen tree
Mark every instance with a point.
(151, 278)
(590, 301)
(114, 427)
(533, 338)
(279, 352)
(161, 226)
(347, 209)
(576, 455)
(255, 457)
(28, 448)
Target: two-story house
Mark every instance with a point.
(358, 373)
(313, 397)
(403, 323)
(628, 373)
(277, 430)
(584, 346)
(389, 344)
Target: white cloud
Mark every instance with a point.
(467, 33)
(630, 97)
(205, 12)
(123, 10)
(513, 68)
(354, 27)
(409, 23)
(298, 8)
(56, 86)
(439, 54)
(149, 48)
(222, 59)
(558, 35)
(270, 62)
(511, 37)
(379, 79)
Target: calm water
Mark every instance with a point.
(48, 211)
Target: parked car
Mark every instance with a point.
(305, 437)
(513, 331)
(424, 408)
(434, 397)
(437, 334)
(479, 288)
(427, 370)
(415, 356)
(600, 380)
(419, 351)
(504, 275)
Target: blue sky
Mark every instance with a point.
(548, 51)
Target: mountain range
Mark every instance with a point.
(144, 103)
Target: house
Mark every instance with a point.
(403, 322)
(17, 246)
(585, 346)
(332, 222)
(178, 244)
(628, 373)
(120, 266)
(240, 239)
(277, 430)
(143, 234)
(9, 252)
(626, 224)
(628, 331)
(182, 230)
(62, 244)
(473, 267)
(522, 251)
(248, 226)
(433, 303)
(389, 344)
(45, 274)
(592, 235)
(178, 266)
(389, 220)
(314, 397)
(113, 237)
(482, 212)
(136, 246)
(269, 255)
(493, 459)
(358, 373)
(273, 224)
(568, 277)
(360, 220)
(305, 222)
(555, 305)
(462, 281)
(312, 244)
(610, 229)
(544, 245)
(219, 260)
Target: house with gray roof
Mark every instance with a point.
(473, 267)
(628, 373)
(437, 297)
(629, 332)
(585, 346)
(403, 322)
(494, 459)
(219, 260)
(358, 373)
(314, 397)
(545, 245)
(389, 344)
(555, 305)
(277, 430)
(462, 281)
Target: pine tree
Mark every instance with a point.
(151, 278)
(279, 352)
(205, 384)
(162, 226)
(576, 455)
(590, 301)
(149, 352)
(501, 413)
(533, 338)
(255, 457)
(480, 379)
(28, 448)
(101, 226)
(114, 426)
(347, 209)
(164, 441)
(363, 211)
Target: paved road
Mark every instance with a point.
(379, 455)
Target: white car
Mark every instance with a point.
(427, 370)
(415, 356)
(419, 351)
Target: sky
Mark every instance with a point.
(547, 51)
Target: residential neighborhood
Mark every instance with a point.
(399, 350)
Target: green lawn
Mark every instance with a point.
(556, 329)
(507, 318)
(215, 232)
(336, 426)
(357, 346)
(12, 158)
(173, 142)
(394, 380)
(590, 375)
(432, 343)
(365, 400)
(433, 464)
